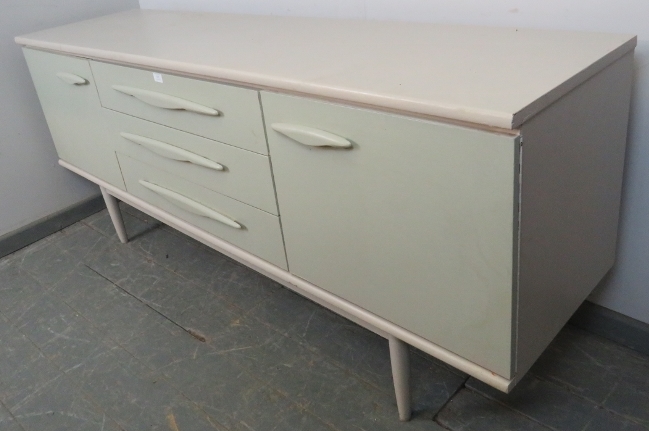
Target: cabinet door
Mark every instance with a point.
(414, 222)
(67, 93)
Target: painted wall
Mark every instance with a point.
(32, 184)
(626, 289)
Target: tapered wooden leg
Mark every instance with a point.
(115, 215)
(400, 359)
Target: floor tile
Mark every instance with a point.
(48, 265)
(357, 350)
(61, 406)
(206, 268)
(165, 344)
(135, 227)
(164, 333)
(84, 243)
(545, 402)
(469, 411)
(18, 291)
(599, 370)
(7, 421)
(604, 420)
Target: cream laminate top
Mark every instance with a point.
(492, 76)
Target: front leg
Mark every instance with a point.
(400, 360)
(115, 215)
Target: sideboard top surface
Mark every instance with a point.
(497, 77)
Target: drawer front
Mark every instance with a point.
(222, 112)
(412, 220)
(251, 229)
(239, 174)
(67, 92)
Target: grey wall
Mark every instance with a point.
(32, 184)
(626, 289)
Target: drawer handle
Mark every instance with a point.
(311, 137)
(189, 205)
(70, 78)
(165, 101)
(171, 152)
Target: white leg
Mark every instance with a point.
(115, 215)
(400, 359)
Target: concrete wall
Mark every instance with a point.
(626, 289)
(32, 184)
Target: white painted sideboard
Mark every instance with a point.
(452, 188)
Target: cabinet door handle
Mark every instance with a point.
(70, 78)
(171, 152)
(310, 136)
(189, 205)
(165, 101)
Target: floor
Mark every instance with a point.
(166, 334)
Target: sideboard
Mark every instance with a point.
(452, 188)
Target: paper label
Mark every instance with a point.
(157, 77)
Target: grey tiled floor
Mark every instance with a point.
(165, 334)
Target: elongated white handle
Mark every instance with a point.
(70, 78)
(165, 101)
(172, 152)
(189, 205)
(310, 136)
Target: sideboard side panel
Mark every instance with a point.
(572, 165)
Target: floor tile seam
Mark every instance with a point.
(603, 340)
(514, 411)
(328, 360)
(327, 423)
(266, 383)
(150, 257)
(52, 362)
(145, 303)
(62, 375)
(51, 238)
(159, 377)
(293, 402)
(241, 369)
(54, 292)
(199, 407)
(11, 414)
(100, 331)
(568, 388)
(450, 397)
(122, 426)
(33, 276)
(190, 281)
(91, 226)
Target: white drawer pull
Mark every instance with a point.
(70, 78)
(165, 101)
(189, 205)
(172, 152)
(310, 136)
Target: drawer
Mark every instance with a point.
(240, 174)
(249, 228)
(225, 113)
(410, 219)
(66, 89)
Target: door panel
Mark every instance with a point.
(414, 222)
